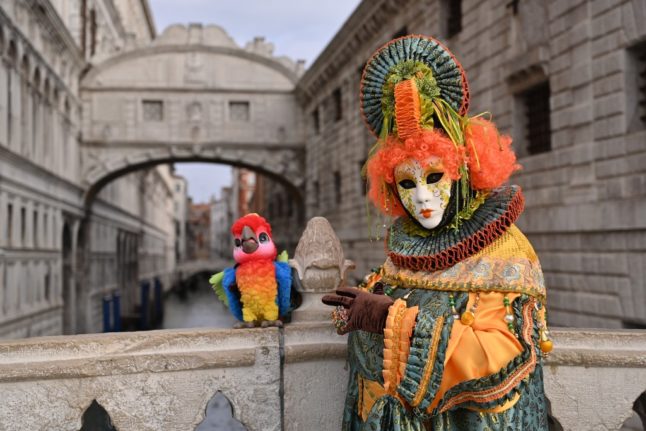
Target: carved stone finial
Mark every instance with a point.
(319, 258)
(321, 267)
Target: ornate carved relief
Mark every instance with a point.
(194, 71)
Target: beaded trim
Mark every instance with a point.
(430, 363)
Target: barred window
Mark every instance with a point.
(636, 87)
(153, 110)
(538, 131)
(337, 105)
(453, 13)
(337, 187)
(316, 121)
(239, 111)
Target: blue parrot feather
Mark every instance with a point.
(284, 281)
(229, 280)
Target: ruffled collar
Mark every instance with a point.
(422, 250)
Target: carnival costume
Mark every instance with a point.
(449, 333)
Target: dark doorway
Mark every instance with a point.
(69, 323)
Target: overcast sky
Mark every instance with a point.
(299, 29)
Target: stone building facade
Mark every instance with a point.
(47, 233)
(223, 214)
(199, 231)
(180, 205)
(566, 80)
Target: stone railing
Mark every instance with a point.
(291, 379)
(269, 379)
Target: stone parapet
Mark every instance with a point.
(292, 379)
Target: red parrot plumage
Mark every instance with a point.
(258, 288)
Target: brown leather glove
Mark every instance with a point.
(366, 311)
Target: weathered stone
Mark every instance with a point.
(152, 381)
(145, 381)
(321, 267)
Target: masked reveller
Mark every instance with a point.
(449, 333)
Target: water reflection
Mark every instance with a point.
(196, 308)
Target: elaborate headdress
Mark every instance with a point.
(415, 99)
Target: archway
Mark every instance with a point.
(258, 163)
(191, 95)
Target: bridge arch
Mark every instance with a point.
(282, 165)
(192, 95)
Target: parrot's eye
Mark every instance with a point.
(237, 242)
(263, 237)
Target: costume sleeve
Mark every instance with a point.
(476, 366)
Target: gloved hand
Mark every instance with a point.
(366, 311)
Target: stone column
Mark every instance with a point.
(321, 268)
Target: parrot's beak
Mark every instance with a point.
(249, 240)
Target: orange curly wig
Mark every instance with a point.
(380, 170)
(489, 158)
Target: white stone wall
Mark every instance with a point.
(138, 20)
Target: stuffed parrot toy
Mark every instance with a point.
(257, 289)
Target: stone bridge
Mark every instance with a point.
(192, 95)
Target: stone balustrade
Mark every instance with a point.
(291, 379)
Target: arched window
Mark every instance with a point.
(35, 111)
(52, 144)
(66, 134)
(24, 105)
(11, 62)
(46, 132)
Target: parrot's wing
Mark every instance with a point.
(216, 283)
(284, 281)
(283, 257)
(232, 292)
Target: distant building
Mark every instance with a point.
(199, 231)
(180, 206)
(45, 235)
(222, 212)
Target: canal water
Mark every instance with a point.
(198, 307)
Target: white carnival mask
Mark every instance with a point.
(423, 191)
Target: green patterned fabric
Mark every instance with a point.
(365, 359)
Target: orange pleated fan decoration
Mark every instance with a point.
(407, 109)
